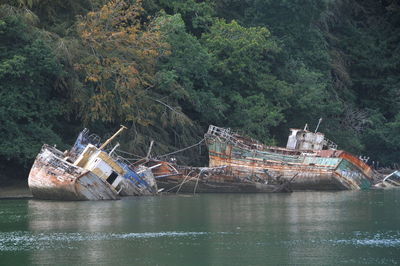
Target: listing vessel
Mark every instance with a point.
(312, 159)
(175, 178)
(87, 172)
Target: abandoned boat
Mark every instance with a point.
(175, 178)
(309, 156)
(87, 172)
(390, 181)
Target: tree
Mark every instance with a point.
(121, 78)
(30, 106)
(197, 15)
(119, 67)
(187, 71)
(243, 60)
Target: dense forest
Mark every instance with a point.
(167, 69)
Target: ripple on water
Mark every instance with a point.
(22, 240)
(357, 239)
(382, 239)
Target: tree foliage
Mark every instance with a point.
(124, 80)
(119, 68)
(243, 59)
(29, 105)
(168, 69)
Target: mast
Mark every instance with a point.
(112, 137)
(319, 122)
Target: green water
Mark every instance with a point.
(309, 228)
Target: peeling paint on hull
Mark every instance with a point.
(174, 178)
(334, 170)
(53, 178)
(192, 186)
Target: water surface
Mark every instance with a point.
(303, 228)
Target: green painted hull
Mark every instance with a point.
(308, 170)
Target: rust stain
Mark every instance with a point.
(367, 171)
(52, 177)
(248, 158)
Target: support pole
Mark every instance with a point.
(149, 151)
(319, 122)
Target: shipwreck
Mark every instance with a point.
(309, 162)
(185, 179)
(87, 172)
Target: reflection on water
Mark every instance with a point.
(209, 229)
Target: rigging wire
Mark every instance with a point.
(131, 154)
(189, 147)
(138, 157)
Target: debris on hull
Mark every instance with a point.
(173, 178)
(390, 181)
(194, 186)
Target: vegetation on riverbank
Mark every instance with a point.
(168, 69)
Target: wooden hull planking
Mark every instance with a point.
(53, 178)
(202, 186)
(343, 172)
(172, 178)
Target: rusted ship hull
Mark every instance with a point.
(173, 178)
(201, 186)
(308, 177)
(88, 172)
(53, 178)
(314, 170)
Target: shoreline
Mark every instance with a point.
(15, 191)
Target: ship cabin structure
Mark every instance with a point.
(304, 140)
